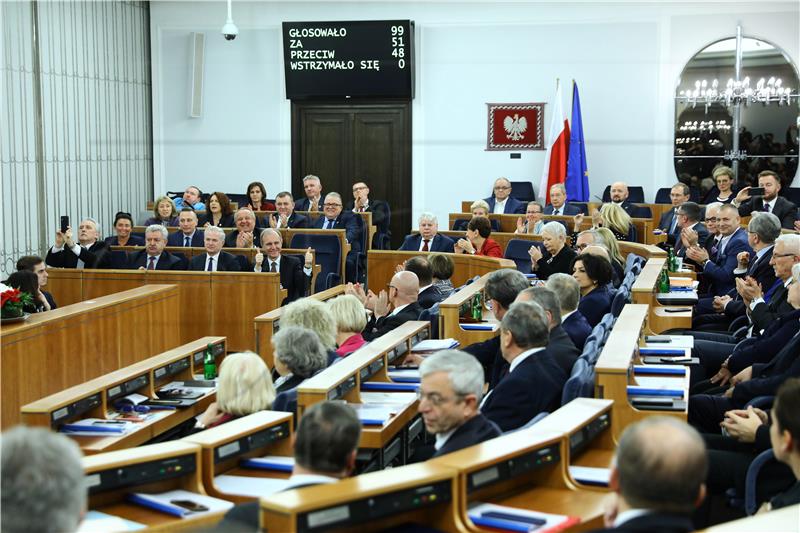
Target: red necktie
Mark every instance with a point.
(425, 245)
(152, 264)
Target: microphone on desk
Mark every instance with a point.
(601, 200)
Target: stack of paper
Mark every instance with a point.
(254, 487)
(399, 398)
(504, 518)
(434, 345)
(590, 475)
(180, 503)
(97, 522)
(480, 326)
(375, 414)
(404, 375)
(97, 427)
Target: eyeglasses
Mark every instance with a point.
(712, 219)
(436, 399)
(332, 205)
(782, 255)
(358, 189)
(501, 188)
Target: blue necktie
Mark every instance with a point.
(186, 241)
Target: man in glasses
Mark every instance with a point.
(380, 212)
(501, 201)
(334, 217)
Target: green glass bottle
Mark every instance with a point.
(672, 261)
(663, 282)
(477, 306)
(209, 364)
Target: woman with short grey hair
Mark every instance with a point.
(299, 354)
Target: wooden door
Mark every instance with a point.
(346, 142)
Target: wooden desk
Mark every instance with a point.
(255, 435)
(267, 325)
(421, 494)
(450, 315)
(525, 469)
(645, 291)
(210, 303)
(95, 398)
(74, 343)
(183, 465)
(644, 250)
(381, 266)
(783, 520)
(614, 370)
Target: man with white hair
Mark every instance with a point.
(313, 200)
(428, 239)
(569, 294)
(558, 202)
(88, 252)
(451, 388)
(215, 259)
(246, 232)
(294, 277)
(154, 257)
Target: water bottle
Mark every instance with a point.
(209, 364)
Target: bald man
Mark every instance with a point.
(658, 477)
(395, 307)
(619, 196)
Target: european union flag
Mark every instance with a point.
(577, 182)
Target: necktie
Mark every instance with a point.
(328, 224)
(556, 212)
(186, 241)
(272, 266)
(674, 225)
(425, 245)
(766, 208)
(152, 264)
(210, 267)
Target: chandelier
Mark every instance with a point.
(737, 92)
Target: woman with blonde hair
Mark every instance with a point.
(243, 388)
(316, 316)
(164, 212)
(611, 244)
(613, 217)
(351, 319)
(479, 208)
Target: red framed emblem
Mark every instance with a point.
(515, 127)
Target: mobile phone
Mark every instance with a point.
(163, 402)
(676, 359)
(64, 223)
(531, 520)
(657, 338)
(676, 310)
(189, 505)
(756, 191)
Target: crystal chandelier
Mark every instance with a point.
(739, 92)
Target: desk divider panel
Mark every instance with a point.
(454, 306)
(645, 291)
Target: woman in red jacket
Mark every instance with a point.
(478, 241)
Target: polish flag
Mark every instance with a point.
(555, 161)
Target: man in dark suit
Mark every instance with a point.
(325, 448)
(534, 380)
(619, 195)
(569, 294)
(658, 478)
(770, 202)
(189, 235)
(559, 344)
(668, 223)
(35, 264)
(687, 220)
(154, 257)
(246, 232)
(313, 200)
(501, 202)
(284, 216)
(379, 209)
(428, 239)
(393, 308)
(334, 217)
(451, 388)
(294, 276)
(88, 252)
(215, 259)
(719, 270)
(429, 294)
(558, 202)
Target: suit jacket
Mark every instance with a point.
(226, 221)
(559, 263)
(702, 237)
(763, 273)
(305, 204)
(348, 222)
(376, 328)
(133, 240)
(290, 383)
(653, 523)
(534, 386)
(768, 377)
(567, 209)
(98, 255)
(563, 349)
(761, 349)
(634, 211)
(665, 222)
(765, 313)
(512, 205)
(226, 262)
(177, 239)
(50, 300)
(440, 243)
(295, 220)
(783, 209)
(595, 304)
(577, 328)
(230, 239)
(719, 270)
(293, 279)
(380, 214)
(490, 248)
(430, 296)
(166, 261)
(474, 431)
(487, 353)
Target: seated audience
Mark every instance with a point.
(428, 293)
(558, 205)
(246, 232)
(316, 316)
(668, 223)
(154, 257)
(690, 237)
(688, 220)
(325, 451)
(619, 196)
(532, 223)
(215, 259)
(35, 264)
(295, 278)
(569, 293)
(123, 226)
(43, 482)
(390, 309)
(450, 391)
(257, 196)
(616, 219)
(88, 252)
(723, 177)
(534, 380)
(351, 320)
(601, 251)
(285, 217)
(380, 212)
(220, 212)
(189, 235)
(244, 387)
(299, 354)
(657, 477)
(442, 268)
(192, 197)
(559, 255)
(501, 202)
(313, 200)
(593, 274)
(559, 344)
(479, 208)
(428, 239)
(770, 202)
(334, 217)
(164, 213)
(28, 282)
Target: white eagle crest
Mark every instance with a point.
(515, 127)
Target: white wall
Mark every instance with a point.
(625, 58)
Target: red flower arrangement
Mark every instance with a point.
(12, 301)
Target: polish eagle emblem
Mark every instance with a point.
(515, 127)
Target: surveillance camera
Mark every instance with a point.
(230, 31)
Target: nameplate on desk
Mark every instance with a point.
(142, 473)
(581, 438)
(128, 387)
(199, 358)
(172, 368)
(276, 325)
(75, 409)
(342, 388)
(371, 369)
(251, 442)
(513, 467)
(421, 336)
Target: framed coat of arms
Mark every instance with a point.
(515, 127)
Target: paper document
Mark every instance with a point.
(480, 327)
(165, 502)
(590, 475)
(255, 487)
(97, 427)
(410, 375)
(504, 518)
(398, 398)
(97, 522)
(434, 345)
(281, 463)
(375, 414)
